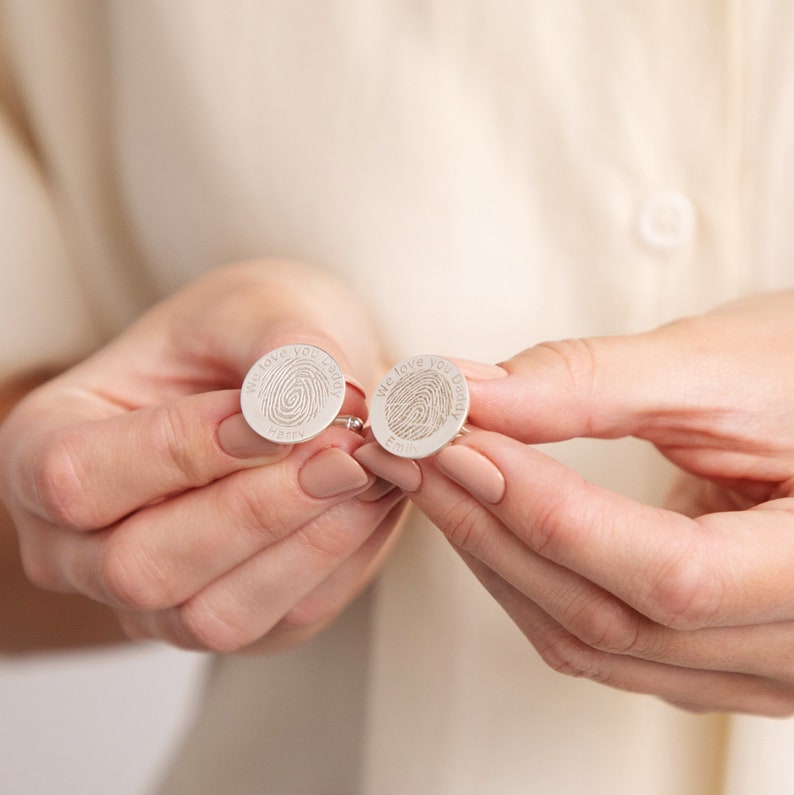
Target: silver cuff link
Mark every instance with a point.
(293, 393)
(420, 406)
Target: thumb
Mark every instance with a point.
(603, 387)
(208, 334)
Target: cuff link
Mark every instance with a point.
(420, 406)
(293, 393)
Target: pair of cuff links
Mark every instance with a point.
(295, 392)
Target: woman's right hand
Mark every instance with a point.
(132, 478)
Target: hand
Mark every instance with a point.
(132, 478)
(694, 604)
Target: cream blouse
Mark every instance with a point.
(486, 175)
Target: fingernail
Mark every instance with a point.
(380, 488)
(237, 439)
(403, 472)
(479, 371)
(330, 473)
(472, 470)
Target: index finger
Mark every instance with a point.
(90, 473)
(720, 569)
(87, 475)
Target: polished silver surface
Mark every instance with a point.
(419, 406)
(293, 393)
(349, 422)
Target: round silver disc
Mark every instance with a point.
(293, 393)
(419, 406)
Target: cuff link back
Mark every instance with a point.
(293, 393)
(420, 406)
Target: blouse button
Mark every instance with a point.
(666, 221)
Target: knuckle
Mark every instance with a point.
(130, 626)
(209, 628)
(548, 521)
(333, 535)
(174, 432)
(544, 522)
(607, 625)
(577, 361)
(567, 655)
(330, 542)
(59, 486)
(130, 579)
(255, 509)
(687, 595)
(462, 526)
(308, 616)
(39, 571)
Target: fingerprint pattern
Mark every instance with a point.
(293, 392)
(418, 405)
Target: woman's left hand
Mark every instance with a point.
(694, 603)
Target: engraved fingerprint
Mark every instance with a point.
(418, 405)
(293, 392)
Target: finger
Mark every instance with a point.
(563, 389)
(342, 584)
(590, 613)
(263, 305)
(601, 621)
(300, 583)
(210, 333)
(87, 475)
(721, 569)
(676, 386)
(162, 554)
(697, 690)
(764, 650)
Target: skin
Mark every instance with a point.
(32, 619)
(117, 479)
(121, 492)
(692, 602)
